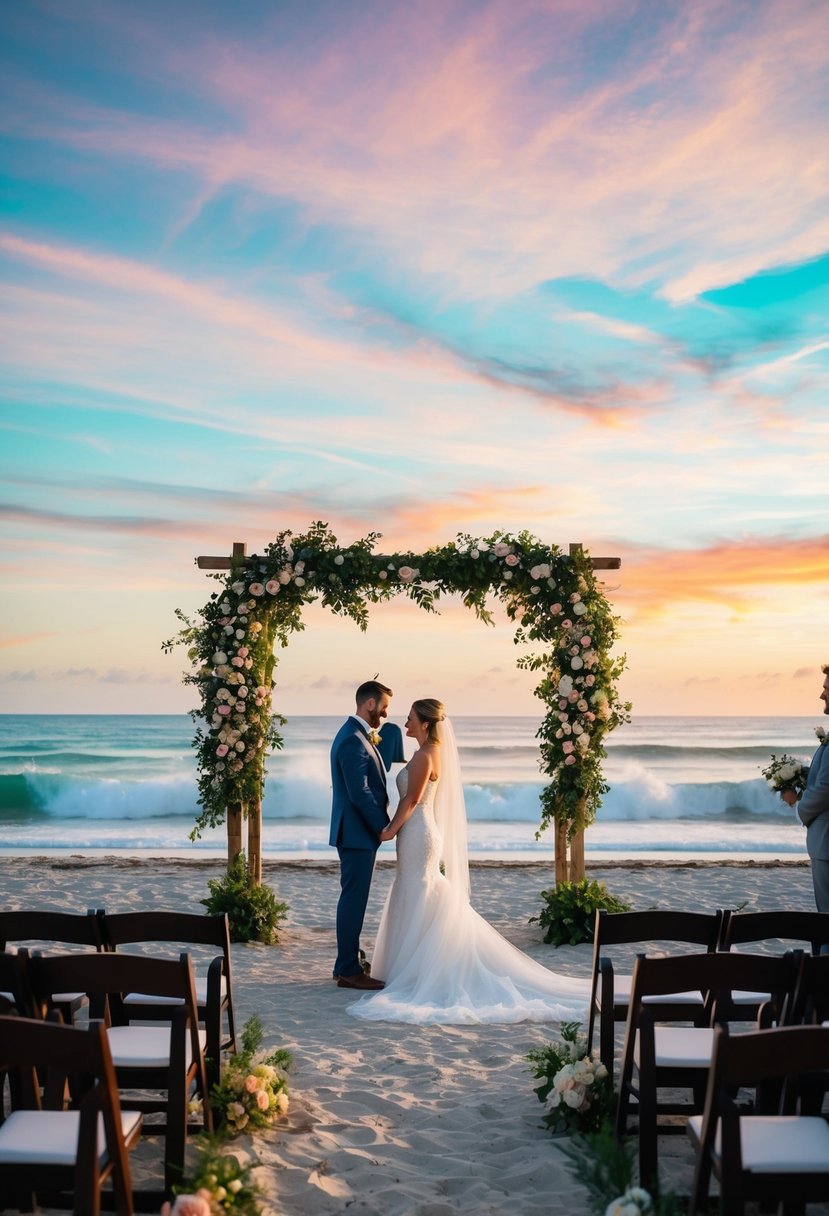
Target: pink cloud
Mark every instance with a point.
(522, 158)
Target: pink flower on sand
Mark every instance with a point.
(511, 559)
(256, 589)
(222, 749)
(188, 1205)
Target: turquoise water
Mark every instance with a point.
(678, 786)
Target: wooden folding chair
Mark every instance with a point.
(52, 1155)
(40, 927)
(15, 991)
(782, 1154)
(783, 928)
(658, 1056)
(811, 998)
(214, 990)
(166, 1059)
(610, 991)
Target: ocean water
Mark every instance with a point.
(679, 787)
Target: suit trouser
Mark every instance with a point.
(356, 869)
(820, 880)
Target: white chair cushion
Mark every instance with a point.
(621, 994)
(50, 1137)
(144, 998)
(778, 1144)
(750, 998)
(680, 1046)
(144, 1046)
(66, 997)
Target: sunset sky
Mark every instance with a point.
(415, 268)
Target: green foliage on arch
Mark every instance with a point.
(559, 609)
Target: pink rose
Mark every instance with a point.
(272, 586)
(501, 549)
(562, 703)
(243, 652)
(573, 697)
(556, 609)
(586, 640)
(256, 589)
(569, 759)
(251, 1083)
(405, 574)
(511, 559)
(224, 710)
(262, 1100)
(566, 623)
(190, 1205)
(568, 747)
(222, 749)
(574, 598)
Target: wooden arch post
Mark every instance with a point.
(571, 869)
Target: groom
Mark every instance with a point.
(358, 815)
(813, 810)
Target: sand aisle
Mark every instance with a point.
(397, 1119)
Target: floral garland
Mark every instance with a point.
(554, 598)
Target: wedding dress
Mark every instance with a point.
(441, 961)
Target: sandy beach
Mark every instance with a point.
(398, 1119)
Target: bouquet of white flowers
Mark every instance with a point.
(577, 1085)
(786, 774)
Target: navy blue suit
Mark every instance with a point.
(358, 816)
(813, 810)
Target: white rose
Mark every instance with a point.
(284, 577)
(237, 588)
(383, 574)
(474, 553)
(339, 559)
(565, 686)
(300, 582)
(579, 609)
(576, 662)
(219, 657)
(405, 574)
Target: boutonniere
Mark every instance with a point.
(822, 736)
(374, 737)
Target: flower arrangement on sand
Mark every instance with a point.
(575, 1083)
(219, 1185)
(252, 1092)
(558, 606)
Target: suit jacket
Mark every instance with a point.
(813, 807)
(360, 798)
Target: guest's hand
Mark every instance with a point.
(789, 797)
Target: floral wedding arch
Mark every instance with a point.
(554, 598)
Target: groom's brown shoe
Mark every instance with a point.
(362, 981)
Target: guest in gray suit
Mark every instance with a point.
(813, 809)
(359, 812)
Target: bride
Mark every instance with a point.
(441, 961)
